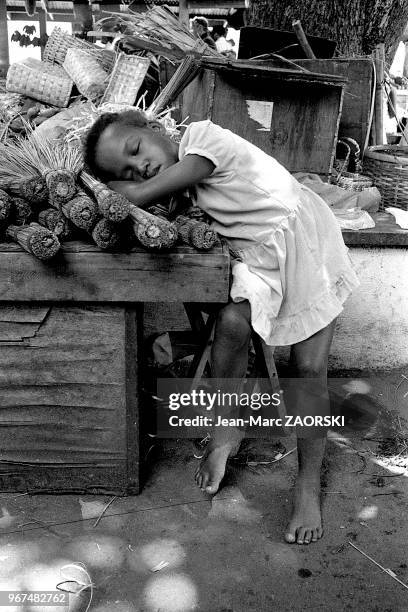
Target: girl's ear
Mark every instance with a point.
(157, 127)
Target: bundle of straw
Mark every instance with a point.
(54, 220)
(21, 212)
(106, 235)
(35, 239)
(195, 233)
(82, 211)
(185, 73)
(113, 206)
(5, 207)
(58, 162)
(151, 231)
(20, 177)
(158, 30)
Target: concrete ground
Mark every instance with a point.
(175, 549)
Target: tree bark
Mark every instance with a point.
(356, 25)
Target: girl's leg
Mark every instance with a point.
(309, 358)
(229, 360)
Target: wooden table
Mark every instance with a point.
(71, 334)
(386, 233)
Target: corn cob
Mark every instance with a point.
(21, 212)
(54, 220)
(5, 206)
(195, 233)
(105, 234)
(151, 231)
(35, 239)
(82, 211)
(113, 206)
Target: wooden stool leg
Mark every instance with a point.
(203, 357)
(264, 355)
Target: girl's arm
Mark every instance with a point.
(186, 173)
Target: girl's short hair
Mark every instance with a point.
(131, 118)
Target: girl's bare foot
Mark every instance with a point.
(212, 467)
(305, 525)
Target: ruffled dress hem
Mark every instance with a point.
(288, 330)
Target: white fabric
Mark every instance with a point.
(290, 261)
(400, 216)
(222, 44)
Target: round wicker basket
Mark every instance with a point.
(387, 166)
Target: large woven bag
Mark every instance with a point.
(59, 42)
(387, 166)
(41, 81)
(89, 76)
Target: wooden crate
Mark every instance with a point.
(71, 339)
(291, 115)
(355, 113)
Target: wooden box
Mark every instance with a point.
(290, 114)
(355, 116)
(71, 343)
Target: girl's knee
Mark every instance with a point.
(310, 369)
(233, 325)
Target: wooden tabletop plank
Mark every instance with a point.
(386, 233)
(84, 273)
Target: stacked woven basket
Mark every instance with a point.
(67, 61)
(387, 166)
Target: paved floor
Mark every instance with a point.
(175, 549)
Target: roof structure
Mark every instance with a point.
(217, 8)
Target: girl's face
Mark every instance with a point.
(128, 153)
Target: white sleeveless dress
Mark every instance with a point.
(289, 258)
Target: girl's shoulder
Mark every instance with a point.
(210, 140)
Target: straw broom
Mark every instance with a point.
(59, 163)
(195, 233)
(19, 177)
(159, 28)
(106, 234)
(5, 207)
(35, 239)
(113, 206)
(81, 210)
(185, 73)
(21, 212)
(151, 231)
(54, 220)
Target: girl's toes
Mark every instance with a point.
(308, 537)
(290, 535)
(301, 535)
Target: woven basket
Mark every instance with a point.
(59, 42)
(354, 181)
(89, 77)
(41, 81)
(126, 79)
(387, 166)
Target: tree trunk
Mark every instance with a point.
(357, 25)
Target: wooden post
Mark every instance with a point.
(4, 43)
(183, 12)
(42, 17)
(301, 36)
(379, 97)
